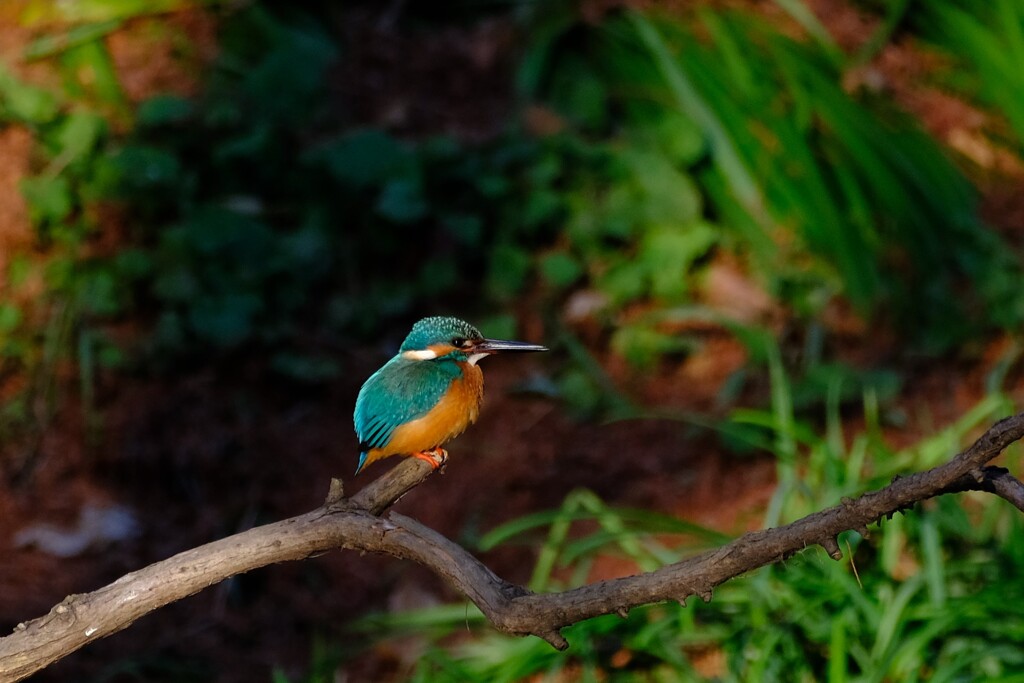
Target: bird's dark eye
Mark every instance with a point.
(458, 342)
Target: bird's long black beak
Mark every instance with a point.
(500, 346)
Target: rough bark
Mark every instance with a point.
(360, 523)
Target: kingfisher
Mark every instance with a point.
(428, 394)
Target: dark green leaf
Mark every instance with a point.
(138, 168)
(401, 201)
(365, 158)
(466, 228)
(560, 268)
(54, 43)
(668, 252)
(10, 318)
(508, 270)
(49, 199)
(624, 282)
(164, 110)
(225, 321)
(78, 134)
(309, 369)
(98, 293)
(22, 102)
(642, 346)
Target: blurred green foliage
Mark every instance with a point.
(60, 292)
(260, 219)
(873, 202)
(986, 38)
(37, 332)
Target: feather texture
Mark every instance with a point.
(413, 405)
(429, 393)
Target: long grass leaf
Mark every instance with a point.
(809, 22)
(689, 100)
(931, 553)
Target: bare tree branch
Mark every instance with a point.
(997, 480)
(355, 524)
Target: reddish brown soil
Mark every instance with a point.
(15, 231)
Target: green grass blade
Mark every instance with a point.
(726, 158)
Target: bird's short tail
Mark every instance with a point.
(362, 461)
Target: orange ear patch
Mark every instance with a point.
(441, 349)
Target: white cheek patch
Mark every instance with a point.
(425, 354)
(472, 360)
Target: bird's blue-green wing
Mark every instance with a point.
(401, 391)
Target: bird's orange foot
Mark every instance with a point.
(436, 458)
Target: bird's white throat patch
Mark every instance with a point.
(472, 360)
(421, 354)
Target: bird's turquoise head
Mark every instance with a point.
(444, 338)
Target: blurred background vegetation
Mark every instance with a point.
(786, 234)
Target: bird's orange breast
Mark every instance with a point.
(457, 409)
